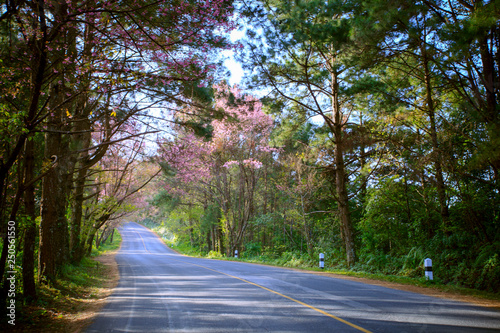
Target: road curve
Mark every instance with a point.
(162, 291)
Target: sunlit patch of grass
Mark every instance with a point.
(108, 246)
(83, 278)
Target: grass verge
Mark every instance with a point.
(415, 284)
(79, 292)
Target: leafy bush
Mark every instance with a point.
(487, 265)
(253, 249)
(214, 255)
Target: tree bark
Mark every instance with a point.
(75, 243)
(341, 177)
(54, 236)
(54, 244)
(436, 154)
(83, 142)
(30, 231)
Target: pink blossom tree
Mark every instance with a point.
(226, 168)
(67, 66)
(115, 192)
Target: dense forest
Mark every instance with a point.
(368, 131)
(374, 139)
(82, 86)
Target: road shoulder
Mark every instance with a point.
(493, 304)
(78, 322)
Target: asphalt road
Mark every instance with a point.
(162, 291)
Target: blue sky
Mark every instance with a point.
(231, 63)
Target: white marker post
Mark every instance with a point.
(428, 269)
(321, 260)
(236, 253)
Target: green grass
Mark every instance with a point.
(184, 248)
(75, 286)
(89, 273)
(107, 246)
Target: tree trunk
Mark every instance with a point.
(220, 238)
(208, 240)
(82, 142)
(54, 244)
(490, 81)
(51, 245)
(341, 177)
(97, 239)
(75, 243)
(436, 154)
(91, 235)
(30, 231)
(362, 160)
(90, 239)
(13, 213)
(39, 64)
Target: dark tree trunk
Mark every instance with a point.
(54, 243)
(75, 243)
(436, 154)
(31, 229)
(341, 177)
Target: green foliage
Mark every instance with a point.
(185, 247)
(419, 141)
(414, 261)
(295, 259)
(459, 259)
(253, 249)
(165, 201)
(214, 255)
(210, 218)
(108, 246)
(388, 224)
(161, 230)
(79, 276)
(200, 128)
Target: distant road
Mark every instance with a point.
(162, 291)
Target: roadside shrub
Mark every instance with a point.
(214, 255)
(253, 249)
(295, 259)
(487, 265)
(413, 263)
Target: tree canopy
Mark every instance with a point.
(375, 138)
(384, 138)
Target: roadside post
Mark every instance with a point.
(236, 253)
(321, 261)
(428, 269)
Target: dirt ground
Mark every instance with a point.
(72, 313)
(76, 323)
(495, 304)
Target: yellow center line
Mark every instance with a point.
(290, 298)
(274, 292)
